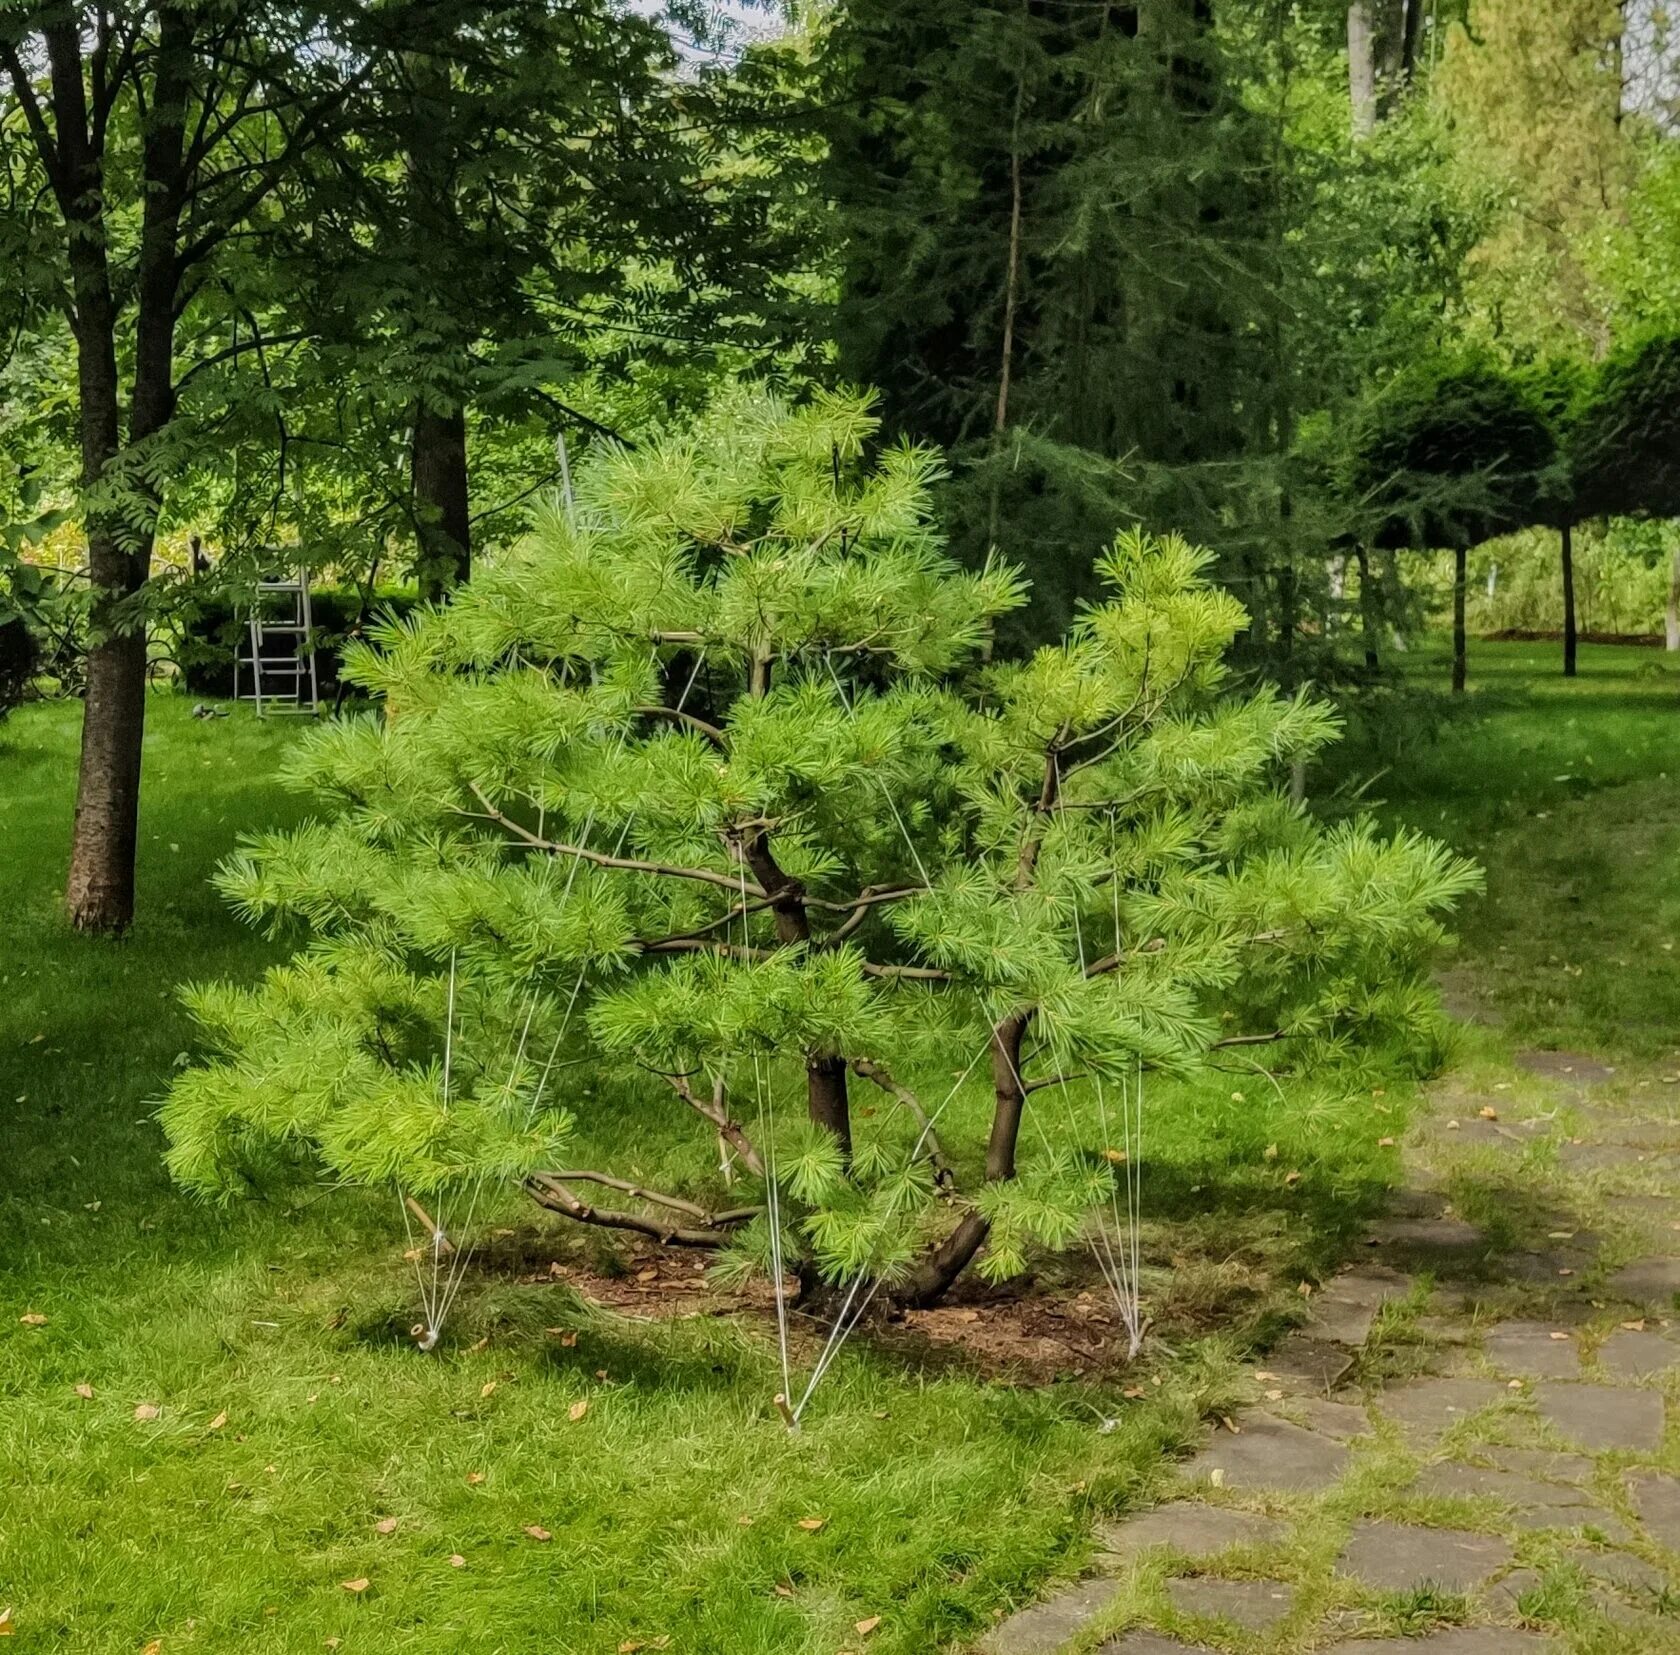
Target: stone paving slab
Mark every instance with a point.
(1430, 1407)
(1150, 1643)
(1469, 1482)
(1576, 1069)
(1340, 1421)
(1302, 1364)
(1533, 1350)
(1601, 1417)
(1436, 1242)
(1623, 1569)
(1456, 1640)
(1649, 1280)
(1254, 1605)
(1190, 1529)
(1044, 1628)
(1399, 1557)
(1542, 1462)
(1656, 1498)
(1637, 1353)
(1343, 1309)
(1266, 1452)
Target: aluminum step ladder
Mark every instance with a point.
(279, 654)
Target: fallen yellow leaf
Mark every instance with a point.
(474, 1478)
(488, 1388)
(864, 1627)
(385, 1525)
(537, 1532)
(85, 1391)
(147, 1410)
(577, 1411)
(812, 1524)
(456, 1561)
(155, 1647)
(359, 1584)
(218, 1422)
(1488, 1112)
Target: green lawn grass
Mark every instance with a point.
(1568, 792)
(674, 1503)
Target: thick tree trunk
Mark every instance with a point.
(1411, 32)
(442, 505)
(1362, 68)
(1671, 619)
(1566, 540)
(936, 1273)
(99, 891)
(827, 1097)
(1369, 608)
(1461, 652)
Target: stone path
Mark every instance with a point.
(1514, 1487)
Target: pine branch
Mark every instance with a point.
(1112, 962)
(626, 864)
(943, 1174)
(718, 1115)
(857, 911)
(658, 1198)
(548, 1190)
(710, 731)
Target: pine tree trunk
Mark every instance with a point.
(935, 1275)
(1362, 68)
(1461, 652)
(1567, 547)
(1369, 617)
(442, 500)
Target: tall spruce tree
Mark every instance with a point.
(1058, 258)
(701, 806)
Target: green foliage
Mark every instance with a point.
(708, 790)
(1626, 443)
(1450, 453)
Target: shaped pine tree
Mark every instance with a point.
(711, 795)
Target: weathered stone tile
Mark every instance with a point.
(1542, 1462)
(1300, 1363)
(1455, 1640)
(1189, 1529)
(1656, 1499)
(1398, 1557)
(1600, 1417)
(1429, 1407)
(1574, 1069)
(1630, 1353)
(1340, 1421)
(1648, 1280)
(1045, 1628)
(1266, 1452)
(1471, 1482)
(1342, 1310)
(1253, 1605)
(1533, 1350)
(1149, 1643)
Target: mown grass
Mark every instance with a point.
(673, 1504)
(1568, 791)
